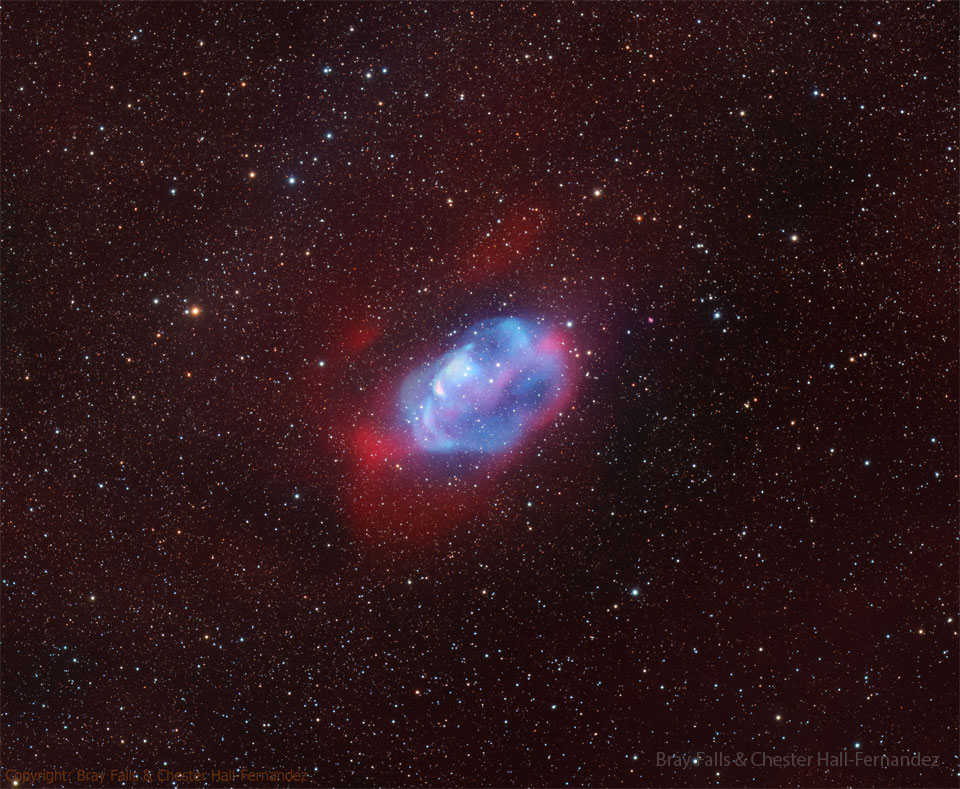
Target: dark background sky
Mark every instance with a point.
(739, 537)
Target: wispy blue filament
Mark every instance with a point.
(486, 394)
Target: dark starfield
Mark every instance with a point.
(230, 233)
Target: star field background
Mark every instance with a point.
(230, 230)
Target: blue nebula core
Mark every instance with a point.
(485, 395)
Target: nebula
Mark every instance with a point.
(505, 379)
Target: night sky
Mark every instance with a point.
(232, 235)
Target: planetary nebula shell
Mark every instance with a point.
(506, 378)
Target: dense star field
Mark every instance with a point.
(721, 517)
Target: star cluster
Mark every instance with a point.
(252, 517)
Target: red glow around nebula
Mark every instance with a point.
(398, 493)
